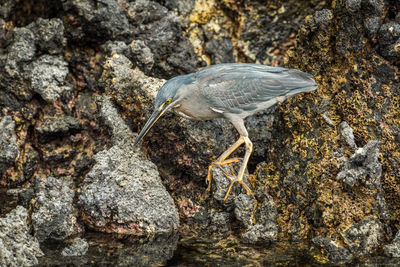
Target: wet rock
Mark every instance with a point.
(8, 143)
(364, 237)
(154, 253)
(346, 134)
(123, 192)
(393, 249)
(363, 167)
(56, 127)
(79, 247)
(17, 246)
(261, 233)
(96, 21)
(334, 251)
(54, 215)
(47, 76)
(49, 35)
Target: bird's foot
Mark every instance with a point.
(236, 180)
(219, 165)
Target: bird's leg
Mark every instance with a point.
(221, 160)
(239, 178)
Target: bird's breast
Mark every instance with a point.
(195, 109)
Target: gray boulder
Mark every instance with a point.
(17, 246)
(123, 192)
(47, 77)
(8, 143)
(54, 214)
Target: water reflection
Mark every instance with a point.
(105, 250)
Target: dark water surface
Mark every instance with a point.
(108, 250)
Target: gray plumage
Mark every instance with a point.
(232, 91)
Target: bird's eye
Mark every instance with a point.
(168, 101)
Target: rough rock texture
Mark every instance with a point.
(393, 249)
(78, 247)
(363, 167)
(328, 160)
(54, 215)
(258, 214)
(334, 251)
(8, 143)
(364, 237)
(47, 77)
(135, 201)
(17, 246)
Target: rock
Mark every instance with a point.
(244, 209)
(6, 7)
(259, 220)
(364, 237)
(162, 32)
(94, 21)
(8, 143)
(116, 47)
(219, 221)
(142, 55)
(47, 76)
(220, 184)
(54, 214)
(393, 249)
(78, 247)
(389, 41)
(17, 246)
(363, 167)
(261, 233)
(49, 35)
(56, 127)
(335, 252)
(19, 53)
(220, 50)
(123, 192)
(154, 253)
(346, 133)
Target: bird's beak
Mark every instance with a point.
(150, 122)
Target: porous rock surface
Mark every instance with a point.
(339, 144)
(54, 215)
(17, 246)
(135, 201)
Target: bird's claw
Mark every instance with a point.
(236, 180)
(230, 177)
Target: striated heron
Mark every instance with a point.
(231, 91)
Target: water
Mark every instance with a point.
(188, 249)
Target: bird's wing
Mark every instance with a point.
(245, 89)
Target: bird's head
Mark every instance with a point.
(169, 96)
